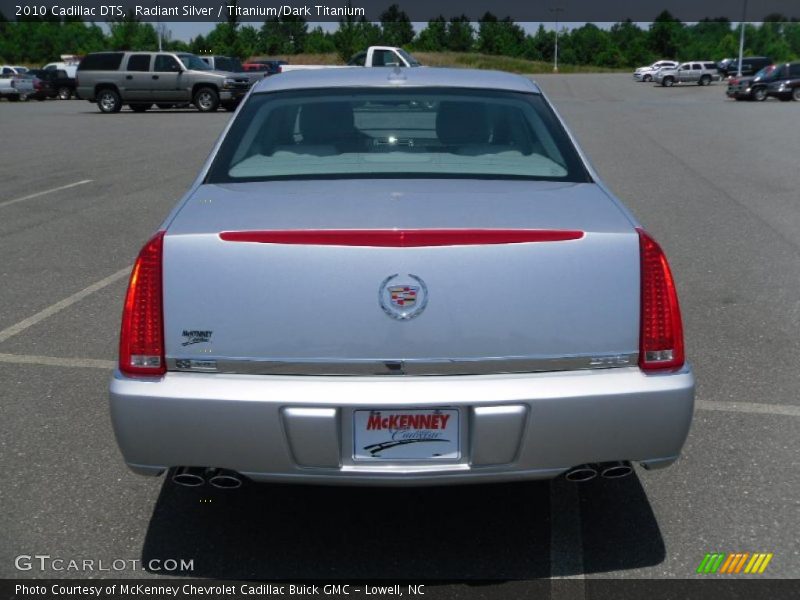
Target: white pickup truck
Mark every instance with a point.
(374, 56)
(13, 84)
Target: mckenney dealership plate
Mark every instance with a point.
(413, 434)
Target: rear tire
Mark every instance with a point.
(108, 101)
(705, 80)
(796, 94)
(668, 82)
(64, 93)
(206, 99)
(140, 107)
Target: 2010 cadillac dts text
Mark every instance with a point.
(399, 277)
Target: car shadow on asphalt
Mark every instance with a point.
(454, 533)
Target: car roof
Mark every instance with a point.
(388, 77)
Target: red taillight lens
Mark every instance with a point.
(661, 335)
(141, 342)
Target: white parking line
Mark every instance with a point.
(749, 407)
(57, 361)
(62, 304)
(37, 194)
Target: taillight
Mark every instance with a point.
(661, 334)
(141, 342)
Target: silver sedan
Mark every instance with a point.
(399, 277)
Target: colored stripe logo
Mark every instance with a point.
(734, 563)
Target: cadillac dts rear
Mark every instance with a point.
(399, 278)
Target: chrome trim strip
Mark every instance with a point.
(389, 367)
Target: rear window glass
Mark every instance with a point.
(390, 133)
(102, 61)
(139, 62)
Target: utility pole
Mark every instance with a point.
(741, 39)
(555, 63)
(158, 27)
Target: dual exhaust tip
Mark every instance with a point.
(196, 476)
(610, 470)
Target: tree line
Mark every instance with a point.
(625, 44)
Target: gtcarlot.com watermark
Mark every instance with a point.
(45, 563)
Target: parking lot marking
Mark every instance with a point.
(57, 361)
(566, 540)
(62, 304)
(37, 194)
(749, 407)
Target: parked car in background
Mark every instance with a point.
(229, 64)
(140, 79)
(71, 68)
(374, 56)
(646, 73)
(750, 65)
(509, 320)
(56, 84)
(722, 66)
(266, 66)
(786, 86)
(12, 70)
(697, 72)
(15, 86)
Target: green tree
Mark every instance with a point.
(319, 42)
(396, 28)
(199, 45)
(540, 46)
(631, 43)
(666, 36)
(500, 36)
(460, 34)
(355, 35)
(284, 35)
(434, 37)
(128, 33)
(249, 41)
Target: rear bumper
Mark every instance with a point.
(299, 429)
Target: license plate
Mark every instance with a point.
(410, 434)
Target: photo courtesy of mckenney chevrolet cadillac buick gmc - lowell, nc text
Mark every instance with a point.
(399, 277)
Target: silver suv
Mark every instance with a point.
(696, 71)
(140, 79)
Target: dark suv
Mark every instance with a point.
(786, 85)
(750, 65)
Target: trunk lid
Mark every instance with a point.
(240, 303)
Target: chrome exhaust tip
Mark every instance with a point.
(189, 476)
(581, 474)
(226, 480)
(615, 470)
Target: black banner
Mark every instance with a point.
(712, 588)
(417, 10)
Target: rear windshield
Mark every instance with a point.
(380, 133)
(190, 61)
(102, 61)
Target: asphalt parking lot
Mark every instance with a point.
(716, 181)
